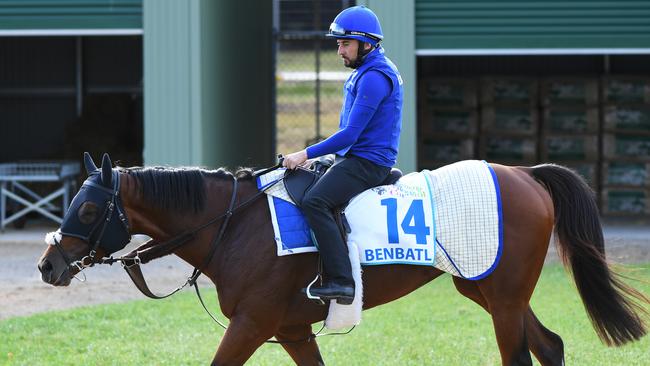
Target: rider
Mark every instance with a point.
(366, 144)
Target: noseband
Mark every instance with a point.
(79, 265)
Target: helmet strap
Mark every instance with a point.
(361, 54)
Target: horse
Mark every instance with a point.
(260, 293)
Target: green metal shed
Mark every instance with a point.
(70, 17)
(209, 89)
(501, 27)
(208, 76)
(208, 70)
(62, 61)
(397, 21)
(525, 82)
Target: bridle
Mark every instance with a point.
(150, 250)
(96, 235)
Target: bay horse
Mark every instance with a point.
(260, 293)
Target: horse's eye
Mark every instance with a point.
(87, 212)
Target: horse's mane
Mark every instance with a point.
(182, 188)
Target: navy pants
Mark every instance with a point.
(339, 184)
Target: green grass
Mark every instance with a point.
(433, 326)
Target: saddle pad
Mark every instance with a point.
(468, 218)
(457, 208)
(394, 224)
(292, 234)
(467, 229)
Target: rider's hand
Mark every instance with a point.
(307, 163)
(292, 161)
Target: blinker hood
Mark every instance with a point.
(109, 228)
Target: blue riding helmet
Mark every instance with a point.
(357, 22)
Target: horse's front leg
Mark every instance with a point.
(299, 345)
(243, 336)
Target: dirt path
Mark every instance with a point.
(23, 293)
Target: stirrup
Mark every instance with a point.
(308, 291)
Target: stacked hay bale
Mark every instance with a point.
(449, 118)
(509, 120)
(626, 146)
(570, 120)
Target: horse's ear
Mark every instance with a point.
(89, 163)
(107, 171)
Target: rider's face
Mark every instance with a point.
(348, 50)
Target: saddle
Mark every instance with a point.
(299, 181)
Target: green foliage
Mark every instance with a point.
(433, 326)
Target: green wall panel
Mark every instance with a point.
(397, 22)
(481, 24)
(171, 119)
(245, 80)
(208, 90)
(70, 14)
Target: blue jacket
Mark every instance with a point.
(376, 132)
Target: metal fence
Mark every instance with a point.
(19, 197)
(309, 84)
(309, 74)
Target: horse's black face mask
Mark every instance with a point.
(96, 215)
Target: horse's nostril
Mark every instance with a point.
(45, 266)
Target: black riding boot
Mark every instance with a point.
(341, 182)
(343, 294)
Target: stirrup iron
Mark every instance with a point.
(308, 291)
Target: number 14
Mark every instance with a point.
(413, 222)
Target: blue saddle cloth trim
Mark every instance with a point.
(294, 230)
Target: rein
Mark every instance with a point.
(152, 250)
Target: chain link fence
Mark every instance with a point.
(309, 88)
(309, 74)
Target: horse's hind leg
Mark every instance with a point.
(303, 351)
(547, 346)
(470, 290)
(508, 325)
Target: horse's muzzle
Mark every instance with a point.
(48, 274)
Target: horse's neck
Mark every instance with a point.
(143, 219)
(163, 225)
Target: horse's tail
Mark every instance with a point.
(612, 306)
